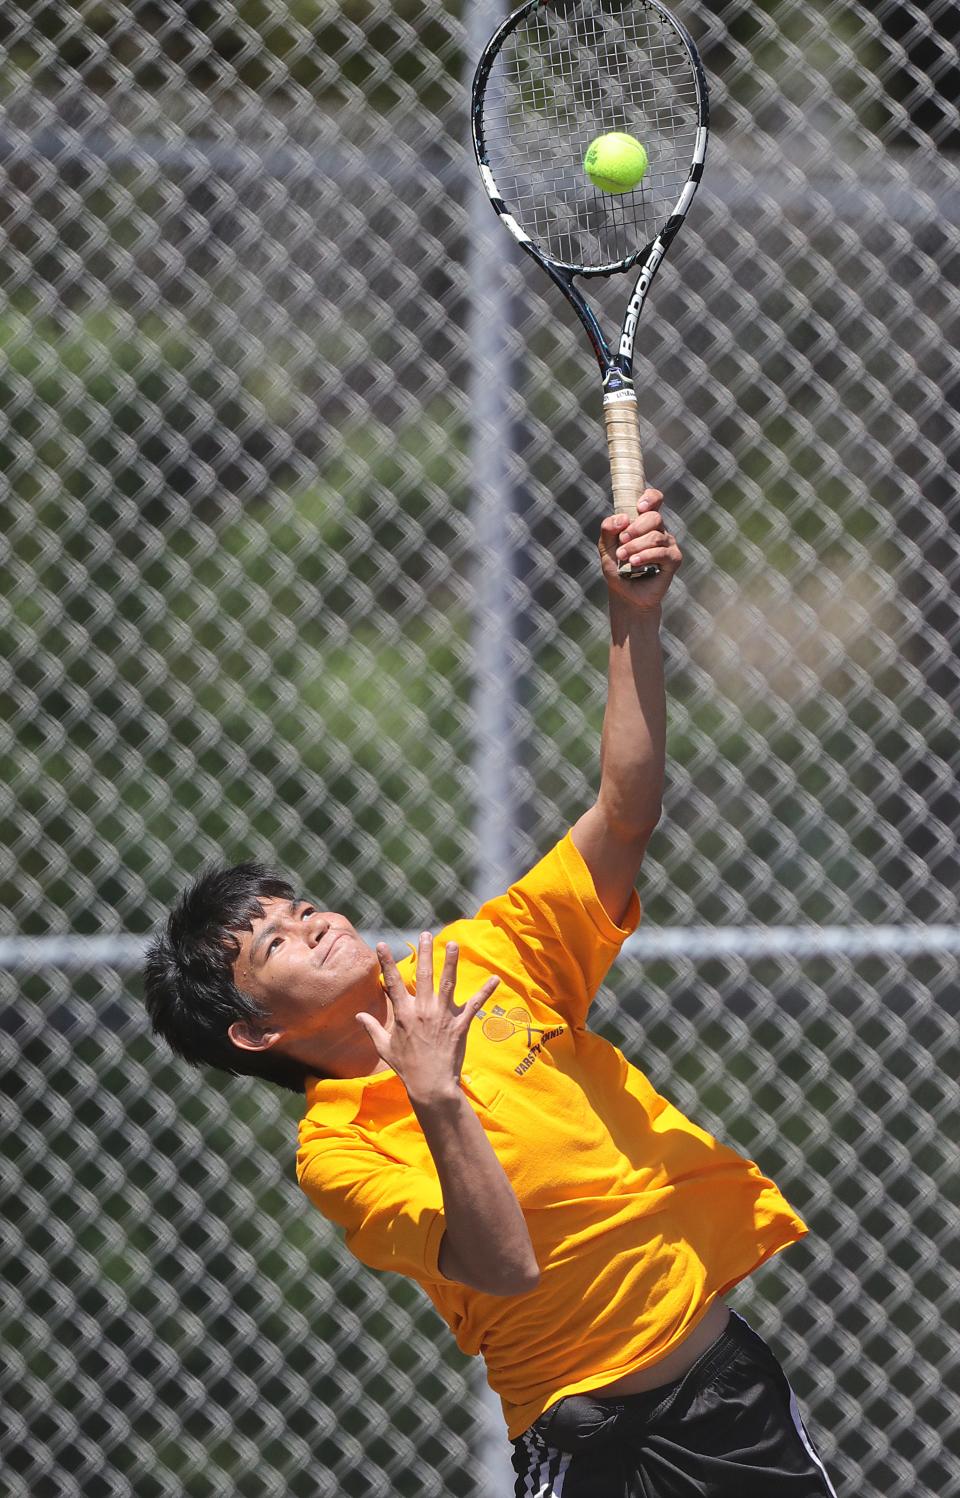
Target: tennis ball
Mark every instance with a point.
(615, 162)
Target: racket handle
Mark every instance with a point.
(626, 463)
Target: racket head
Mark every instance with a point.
(553, 77)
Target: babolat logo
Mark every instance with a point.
(636, 301)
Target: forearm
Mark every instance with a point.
(612, 835)
(633, 744)
(486, 1244)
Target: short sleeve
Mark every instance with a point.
(392, 1214)
(557, 928)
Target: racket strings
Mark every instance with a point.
(560, 80)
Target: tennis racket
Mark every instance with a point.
(554, 76)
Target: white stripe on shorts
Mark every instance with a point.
(797, 1419)
(527, 1477)
(558, 1481)
(546, 1470)
(552, 1473)
(802, 1433)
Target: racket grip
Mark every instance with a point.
(626, 463)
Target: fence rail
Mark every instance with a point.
(690, 943)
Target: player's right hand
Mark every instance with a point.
(425, 1034)
(639, 541)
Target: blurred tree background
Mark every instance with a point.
(195, 489)
(238, 618)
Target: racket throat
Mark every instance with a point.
(617, 382)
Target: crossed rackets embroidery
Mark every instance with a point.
(501, 1024)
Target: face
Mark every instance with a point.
(312, 973)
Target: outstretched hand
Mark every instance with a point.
(425, 1034)
(641, 540)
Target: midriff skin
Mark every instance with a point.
(677, 1362)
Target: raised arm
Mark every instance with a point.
(612, 836)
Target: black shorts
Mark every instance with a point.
(730, 1428)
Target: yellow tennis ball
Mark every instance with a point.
(615, 162)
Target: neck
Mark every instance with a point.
(348, 1051)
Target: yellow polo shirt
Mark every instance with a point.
(638, 1218)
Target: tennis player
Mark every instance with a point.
(466, 1128)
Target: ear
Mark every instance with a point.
(248, 1037)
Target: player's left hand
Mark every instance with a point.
(425, 1035)
(640, 540)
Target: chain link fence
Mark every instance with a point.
(272, 561)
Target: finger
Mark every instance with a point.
(609, 531)
(448, 977)
(379, 1036)
(652, 520)
(655, 538)
(649, 500)
(638, 544)
(425, 966)
(470, 1008)
(392, 981)
(389, 1021)
(661, 556)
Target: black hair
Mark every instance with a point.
(189, 990)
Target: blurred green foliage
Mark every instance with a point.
(123, 543)
(287, 621)
(412, 56)
(252, 44)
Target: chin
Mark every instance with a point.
(351, 953)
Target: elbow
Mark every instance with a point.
(642, 828)
(628, 823)
(521, 1280)
(516, 1275)
(498, 1265)
(518, 1281)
